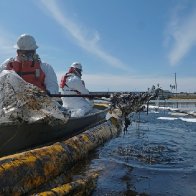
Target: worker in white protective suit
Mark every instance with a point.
(28, 65)
(71, 83)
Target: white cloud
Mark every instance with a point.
(181, 33)
(80, 37)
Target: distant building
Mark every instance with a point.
(164, 94)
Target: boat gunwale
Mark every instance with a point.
(15, 123)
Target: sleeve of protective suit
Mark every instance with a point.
(3, 66)
(77, 84)
(50, 78)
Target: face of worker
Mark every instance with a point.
(79, 71)
(26, 55)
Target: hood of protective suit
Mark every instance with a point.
(21, 102)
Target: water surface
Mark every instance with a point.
(156, 156)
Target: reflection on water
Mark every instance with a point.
(156, 156)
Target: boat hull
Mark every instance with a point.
(15, 138)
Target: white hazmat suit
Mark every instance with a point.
(73, 84)
(26, 48)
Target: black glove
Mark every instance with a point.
(48, 93)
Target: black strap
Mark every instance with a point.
(26, 73)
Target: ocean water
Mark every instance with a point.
(156, 156)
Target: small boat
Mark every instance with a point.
(15, 138)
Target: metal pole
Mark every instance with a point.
(175, 84)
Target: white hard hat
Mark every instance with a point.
(76, 65)
(26, 42)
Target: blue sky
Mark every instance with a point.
(123, 45)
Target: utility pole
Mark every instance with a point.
(175, 84)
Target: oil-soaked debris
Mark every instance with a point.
(124, 104)
(131, 102)
(22, 102)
